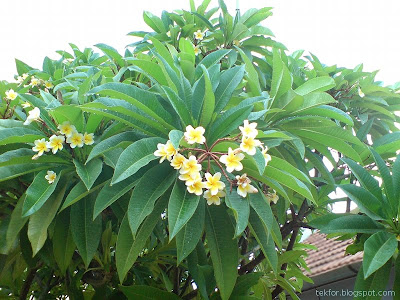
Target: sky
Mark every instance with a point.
(342, 32)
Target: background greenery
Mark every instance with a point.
(107, 227)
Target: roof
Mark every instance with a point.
(329, 256)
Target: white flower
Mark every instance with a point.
(249, 145)
(75, 140)
(213, 199)
(41, 146)
(232, 160)
(249, 130)
(197, 50)
(88, 138)
(11, 95)
(244, 186)
(194, 135)
(66, 129)
(198, 35)
(56, 143)
(50, 177)
(26, 104)
(34, 115)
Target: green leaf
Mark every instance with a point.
(154, 22)
(181, 207)
(208, 102)
(89, 171)
(139, 98)
(366, 201)
(179, 106)
(387, 181)
(388, 143)
(151, 186)
(378, 249)
(190, 235)
(116, 141)
(80, 191)
(375, 283)
(253, 81)
(223, 248)
(281, 78)
(40, 220)
(70, 113)
(210, 60)
(175, 136)
(19, 135)
(150, 69)
(134, 157)
(85, 231)
(17, 221)
(63, 244)
(111, 193)
(262, 208)
(341, 223)
(314, 99)
(245, 282)
(38, 192)
(145, 292)
(317, 84)
(329, 112)
(230, 79)
(112, 54)
(265, 240)
(241, 210)
(128, 248)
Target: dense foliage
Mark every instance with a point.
(189, 166)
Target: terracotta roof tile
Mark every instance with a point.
(329, 256)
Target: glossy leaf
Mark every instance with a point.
(181, 207)
(153, 184)
(63, 244)
(41, 219)
(89, 172)
(86, 232)
(241, 210)
(134, 157)
(223, 248)
(378, 249)
(190, 235)
(38, 192)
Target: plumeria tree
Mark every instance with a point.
(189, 166)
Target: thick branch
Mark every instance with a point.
(27, 284)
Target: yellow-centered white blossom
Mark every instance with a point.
(34, 81)
(194, 135)
(171, 151)
(161, 152)
(51, 176)
(26, 104)
(190, 166)
(177, 161)
(249, 130)
(168, 34)
(360, 93)
(40, 147)
(75, 140)
(66, 129)
(213, 183)
(56, 143)
(195, 186)
(197, 50)
(48, 85)
(267, 157)
(20, 79)
(244, 186)
(199, 35)
(11, 95)
(232, 160)
(88, 138)
(272, 197)
(213, 199)
(33, 115)
(249, 145)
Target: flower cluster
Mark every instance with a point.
(69, 134)
(207, 184)
(199, 36)
(35, 82)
